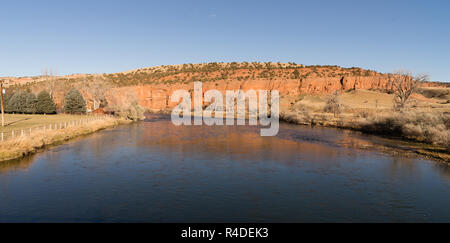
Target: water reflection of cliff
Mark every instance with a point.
(293, 146)
(244, 142)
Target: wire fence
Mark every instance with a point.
(22, 132)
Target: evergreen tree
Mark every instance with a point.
(30, 103)
(75, 103)
(6, 98)
(45, 104)
(296, 74)
(17, 103)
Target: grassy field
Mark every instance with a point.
(366, 100)
(21, 121)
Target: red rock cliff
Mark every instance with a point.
(152, 87)
(157, 96)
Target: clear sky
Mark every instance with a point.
(112, 36)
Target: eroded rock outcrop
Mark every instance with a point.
(157, 96)
(153, 87)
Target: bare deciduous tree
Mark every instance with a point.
(333, 104)
(127, 106)
(404, 85)
(95, 91)
(50, 80)
(98, 89)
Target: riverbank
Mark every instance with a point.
(418, 132)
(21, 146)
(423, 126)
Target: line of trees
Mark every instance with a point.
(25, 102)
(28, 103)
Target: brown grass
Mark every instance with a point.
(426, 120)
(22, 146)
(427, 127)
(25, 121)
(435, 93)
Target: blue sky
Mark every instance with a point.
(113, 36)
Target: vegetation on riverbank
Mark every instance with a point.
(24, 145)
(431, 128)
(425, 124)
(429, 132)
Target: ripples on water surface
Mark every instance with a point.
(155, 172)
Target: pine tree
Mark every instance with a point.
(17, 103)
(75, 103)
(45, 104)
(296, 74)
(6, 98)
(30, 103)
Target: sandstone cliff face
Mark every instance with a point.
(153, 87)
(157, 96)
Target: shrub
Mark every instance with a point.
(333, 104)
(296, 74)
(128, 108)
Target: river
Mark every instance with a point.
(153, 171)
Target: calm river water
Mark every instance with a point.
(155, 172)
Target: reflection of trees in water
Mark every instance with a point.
(443, 170)
(100, 145)
(16, 165)
(403, 165)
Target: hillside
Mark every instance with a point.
(365, 99)
(152, 87)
